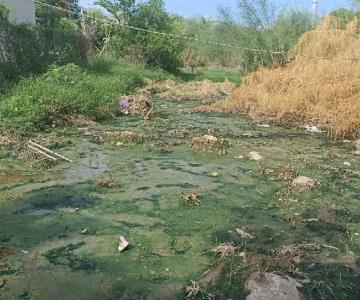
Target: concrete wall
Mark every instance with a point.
(21, 11)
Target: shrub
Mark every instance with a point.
(43, 101)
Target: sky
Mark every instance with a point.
(208, 8)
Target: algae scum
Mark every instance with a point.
(175, 202)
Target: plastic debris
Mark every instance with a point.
(244, 234)
(123, 244)
(2, 282)
(256, 156)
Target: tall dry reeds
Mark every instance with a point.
(320, 85)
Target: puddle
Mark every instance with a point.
(72, 254)
(39, 212)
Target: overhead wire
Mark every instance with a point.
(195, 39)
(166, 33)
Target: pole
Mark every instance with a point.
(314, 10)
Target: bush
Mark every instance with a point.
(152, 49)
(37, 103)
(30, 50)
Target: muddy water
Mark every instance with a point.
(44, 255)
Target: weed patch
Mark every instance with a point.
(48, 100)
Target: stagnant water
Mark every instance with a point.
(59, 229)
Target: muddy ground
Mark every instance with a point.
(177, 186)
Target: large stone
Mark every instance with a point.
(269, 286)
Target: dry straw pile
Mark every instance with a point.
(319, 86)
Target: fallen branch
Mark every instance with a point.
(43, 153)
(147, 116)
(49, 151)
(330, 247)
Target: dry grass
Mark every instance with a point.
(190, 199)
(309, 89)
(226, 250)
(203, 90)
(107, 181)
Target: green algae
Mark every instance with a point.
(170, 244)
(64, 256)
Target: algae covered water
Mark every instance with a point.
(60, 227)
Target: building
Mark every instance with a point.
(21, 11)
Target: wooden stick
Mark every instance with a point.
(43, 153)
(49, 151)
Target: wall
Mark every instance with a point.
(21, 11)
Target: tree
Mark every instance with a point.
(122, 10)
(153, 49)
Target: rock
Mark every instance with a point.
(256, 156)
(244, 234)
(239, 156)
(210, 138)
(303, 182)
(347, 164)
(123, 244)
(312, 220)
(2, 282)
(358, 145)
(269, 286)
(252, 134)
(313, 129)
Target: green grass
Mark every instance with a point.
(40, 102)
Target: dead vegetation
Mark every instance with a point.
(210, 143)
(107, 181)
(190, 199)
(6, 139)
(138, 104)
(319, 86)
(194, 90)
(194, 290)
(226, 250)
(296, 252)
(123, 137)
(77, 120)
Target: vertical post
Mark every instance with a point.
(314, 10)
